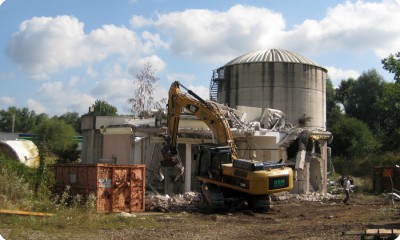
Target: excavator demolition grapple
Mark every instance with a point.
(221, 173)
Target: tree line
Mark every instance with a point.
(364, 118)
(56, 135)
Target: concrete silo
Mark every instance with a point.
(274, 78)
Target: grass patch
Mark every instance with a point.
(73, 222)
(17, 188)
(74, 216)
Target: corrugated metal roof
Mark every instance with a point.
(272, 55)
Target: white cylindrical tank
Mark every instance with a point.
(24, 151)
(277, 79)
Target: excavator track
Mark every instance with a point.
(259, 203)
(213, 196)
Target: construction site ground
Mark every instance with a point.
(287, 219)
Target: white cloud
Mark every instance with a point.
(201, 91)
(140, 21)
(154, 40)
(212, 35)
(117, 86)
(219, 36)
(155, 61)
(337, 75)
(60, 43)
(57, 44)
(157, 64)
(36, 106)
(63, 99)
(2, 1)
(74, 81)
(114, 90)
(351, 26)
(7, 101)
(183, 78)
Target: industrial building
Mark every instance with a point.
(292, 83)
(276, 79)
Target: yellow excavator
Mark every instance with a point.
(221, 173)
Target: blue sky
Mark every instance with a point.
(60, 56)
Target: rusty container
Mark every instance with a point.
(118, 188)
(386, 179)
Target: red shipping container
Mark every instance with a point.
(118, 188)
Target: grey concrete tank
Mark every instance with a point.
(274, 78)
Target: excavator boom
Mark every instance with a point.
(205, 111)
(220, 171)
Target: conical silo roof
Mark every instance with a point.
(272, 55)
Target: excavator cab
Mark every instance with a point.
(211, 158)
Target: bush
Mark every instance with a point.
(362, 168)
(18, 184)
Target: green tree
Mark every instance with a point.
(330, 97)
(389, 117)
(56, 137)
(344, 94)
(392, 65)
(19, 120)
(359, 97)
(143, 100)
(352, 137)
(102, 108)
(73, 119)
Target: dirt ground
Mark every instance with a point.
(287, 219)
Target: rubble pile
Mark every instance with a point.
(311, 197)
(191, 200)
(179, 202)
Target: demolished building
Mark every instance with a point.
(268, 137)
(279, 116)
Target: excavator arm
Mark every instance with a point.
(240, 178)
(204, 110)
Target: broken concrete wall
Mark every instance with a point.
(260, 148)
(117, 145)
(316, 174)
(302, 179)
(143, 146)
(309, 159)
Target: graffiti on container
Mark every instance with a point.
(105, 183)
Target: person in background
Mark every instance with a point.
(346, 186)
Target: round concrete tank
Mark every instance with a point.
(277, 79)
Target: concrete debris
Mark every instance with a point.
(191, 200)
(259, 119)
(165, 203)
(311, 197)
(126, 215)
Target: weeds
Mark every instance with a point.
(17, 184)
(72, 214)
